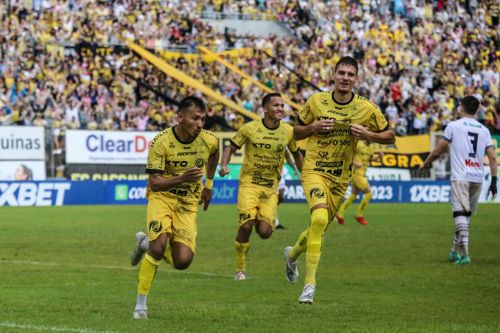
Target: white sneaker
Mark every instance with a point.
(240, 276)
(140, 248)
(292, 267)
(307, 296)
(140, 314)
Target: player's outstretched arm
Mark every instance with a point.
(434, 155)
(360, 132)
(226, 158)
(490, 152)
(206, 193)
(299, 160)
(158, 183)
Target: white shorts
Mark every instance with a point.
(464, 196)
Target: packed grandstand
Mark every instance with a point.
(66, 64)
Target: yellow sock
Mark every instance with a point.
(299, 247)
(319, 222)
(350, 199)
(147, 272)
(167, 256)
(241, 255)
(366, 198)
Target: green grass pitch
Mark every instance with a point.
(65, 269)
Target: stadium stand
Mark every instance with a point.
(65, 64)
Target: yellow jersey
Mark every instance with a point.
(264, 151)
(330, 153)
(171, 157)
(362, 154)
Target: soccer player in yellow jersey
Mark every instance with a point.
(360, 162)
(177, 160)
(333, 122)
(265, 143)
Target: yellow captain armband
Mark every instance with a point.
(209, 183)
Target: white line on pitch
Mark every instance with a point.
(49, 328)
(56, 264)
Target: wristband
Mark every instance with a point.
(209, 183)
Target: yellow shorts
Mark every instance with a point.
(172, 216)
(322, 190)
(257, 202)
(360, 182)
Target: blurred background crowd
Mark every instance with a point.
(64, 64)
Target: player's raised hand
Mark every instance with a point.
(192, 175)
(360, 132)
(224, 170)
(206, 197)
(493, 188)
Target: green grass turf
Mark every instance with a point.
(65, 269)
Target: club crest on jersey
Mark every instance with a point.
(199, 163)
(316, 192)
(155, 226)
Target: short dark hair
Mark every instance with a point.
(470, 104)
(268, 97)
(191, 101)
(349, 61)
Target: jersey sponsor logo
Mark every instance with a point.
(262, 145)
(474, 174)
(259, 180)
(178, 192)
(199, 163)
(264, 167)
(334, 142)
(323, 155)
(472, 164)
(336, 172)
(430, 193)
(155, 226)
(176, 163)
(32, 194)
(270, 138)
(316, 192)
(335, 164)
(187, 153)
(337, 112)
(267, 158)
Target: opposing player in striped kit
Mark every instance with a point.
(469, 141)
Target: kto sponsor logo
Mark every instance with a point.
(33, 194)
(430, 193)
(122, 193)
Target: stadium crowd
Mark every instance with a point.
(419, 58)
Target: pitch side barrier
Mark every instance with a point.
(63, 193)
